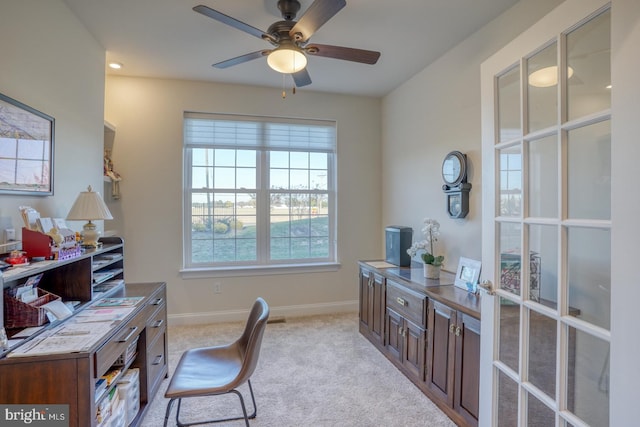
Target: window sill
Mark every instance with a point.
(201, 273)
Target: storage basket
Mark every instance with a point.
(18, 314)
(128, 354)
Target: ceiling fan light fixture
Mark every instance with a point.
(547, 77)
(287, 60)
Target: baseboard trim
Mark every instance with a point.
(282, 311)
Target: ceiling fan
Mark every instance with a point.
(290, 39)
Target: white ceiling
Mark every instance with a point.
(167, 39)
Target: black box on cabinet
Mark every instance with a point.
(397, 241)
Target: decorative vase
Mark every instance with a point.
(431, 271)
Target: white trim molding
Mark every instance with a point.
(276, 312)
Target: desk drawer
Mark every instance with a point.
(406, 302)
(156, 362)
(157, 322)
(111, 350)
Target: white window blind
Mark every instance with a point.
(259, 191)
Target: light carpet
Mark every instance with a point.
(313, 371)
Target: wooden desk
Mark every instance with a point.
(70, 378)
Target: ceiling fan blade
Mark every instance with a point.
(241, 59)
(315, 17)
(301, 78)
(226, 19)
(345, 53)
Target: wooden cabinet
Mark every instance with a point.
(453, 360)
(372, 305)
(406, 343)
(70, 378)
(431, 334)
(405, 326)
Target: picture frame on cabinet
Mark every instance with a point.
(468, 274)
(26, 148)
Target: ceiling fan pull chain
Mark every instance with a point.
(284, 94)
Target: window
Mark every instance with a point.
(259, 192)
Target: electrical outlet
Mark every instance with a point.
(9, 235)
(217, 287)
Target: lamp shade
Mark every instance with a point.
(287, 60)
(89, 206)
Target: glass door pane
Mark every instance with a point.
(542, 88)
(507, 401)
(589, 275)
(510, 181)
(543, 271)
(542, 353)
(510, 248)
(543, 177)
(588, 378)
(538, 414)
(589, 171)
(509, 105)
(509, 347)
(589, 63)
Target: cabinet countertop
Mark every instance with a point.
(441, 290)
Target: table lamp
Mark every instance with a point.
(89, 206)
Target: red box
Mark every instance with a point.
(36, 244)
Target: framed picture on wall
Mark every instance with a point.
(26, 149)
(468, 274)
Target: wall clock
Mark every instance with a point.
(454, 168)
(456, 187)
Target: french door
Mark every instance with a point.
(546, 156)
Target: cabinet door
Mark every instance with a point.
(365, 287)
(441, 350)
(467, 371)
(377, 307)
(394, 334)
(413, 354)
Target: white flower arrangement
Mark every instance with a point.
(431, 231)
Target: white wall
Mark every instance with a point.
(437, 111)
(50, 62)
(147, 114)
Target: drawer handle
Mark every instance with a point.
(158, 301)
(401, 301)
(159, 323)
(157, 360)
(129, 335)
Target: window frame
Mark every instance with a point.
(263, 264)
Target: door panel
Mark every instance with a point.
(467, 371)
(414, 353)
(394, 334)
(440, 357)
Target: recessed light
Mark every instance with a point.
(115, 65)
